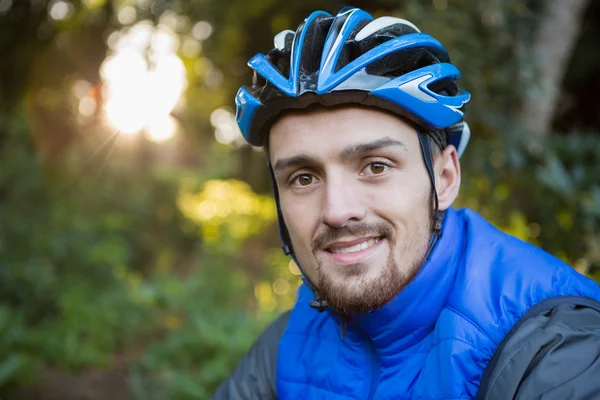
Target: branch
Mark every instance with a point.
(551, 51)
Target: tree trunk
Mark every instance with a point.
(551, 51)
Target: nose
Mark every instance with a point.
(342, 204)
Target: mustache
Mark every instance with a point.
(382, 229)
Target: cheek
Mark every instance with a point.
(299, 216)
(301, 220)
(402, 197)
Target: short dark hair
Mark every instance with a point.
(438, 140)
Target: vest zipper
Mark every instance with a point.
(343, 324)
(375, 373)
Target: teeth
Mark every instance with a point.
(355, 248)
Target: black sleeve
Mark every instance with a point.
(553, 356)
(255, 375)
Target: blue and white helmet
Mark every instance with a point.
(351, 58)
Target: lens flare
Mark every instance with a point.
(143, 81)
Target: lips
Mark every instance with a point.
(353, 252)
(352, 246)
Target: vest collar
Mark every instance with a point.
(412, 314)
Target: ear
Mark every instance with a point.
(447, 177)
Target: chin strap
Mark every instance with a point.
(319, 304)
(438, 216)
(286, 244)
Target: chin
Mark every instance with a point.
(363, 287)
(355, 274)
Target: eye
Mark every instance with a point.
(303, 180)
(375, 168)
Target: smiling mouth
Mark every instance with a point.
(353, 248)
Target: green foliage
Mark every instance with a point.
(64, 301)
(206, 332)
(94, 270)
(98, 263)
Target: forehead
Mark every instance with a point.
(326, 131)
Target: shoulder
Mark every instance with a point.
(553, 351)
(501, 277)
(255, 375)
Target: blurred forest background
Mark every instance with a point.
(139, 256)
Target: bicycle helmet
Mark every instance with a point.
(351, 58)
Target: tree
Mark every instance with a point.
(558, 30)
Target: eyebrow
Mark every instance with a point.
(361, 148)
(294, 161)
(352, 151)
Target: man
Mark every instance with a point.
(404, 297)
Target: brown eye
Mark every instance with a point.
(377, 168)
(304, 180)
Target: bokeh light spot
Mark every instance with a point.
(81, 88)
(191, 47)
(281, 287)
(207, 209)
(61, 10)
(87, 106)
(202, 30)
(293, 267)
(227, 130)
(127, 15)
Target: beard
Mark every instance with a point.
(355, 291)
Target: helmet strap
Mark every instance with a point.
(318, 303)
(437, 215)
(286, 243)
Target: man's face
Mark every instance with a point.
(355, 197)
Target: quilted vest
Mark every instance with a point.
(433, 340)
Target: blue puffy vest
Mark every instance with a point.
(434, 340)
